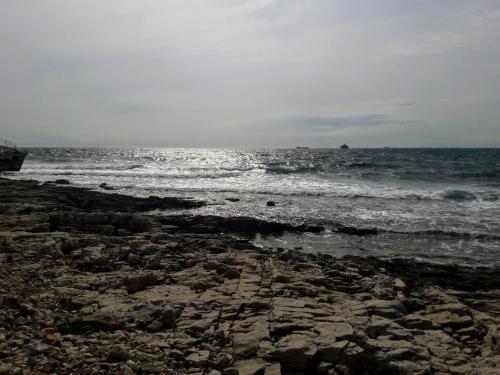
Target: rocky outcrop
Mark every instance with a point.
(121, 292)
(240, 224)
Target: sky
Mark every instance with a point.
(260, 73)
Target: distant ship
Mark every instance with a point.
(302, 148)
(344, 146)
(11, 158)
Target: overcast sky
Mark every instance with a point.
(256, 73)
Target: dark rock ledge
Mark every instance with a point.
(90, 285)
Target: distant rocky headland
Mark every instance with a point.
(92, 283)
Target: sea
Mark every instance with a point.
(438, 205)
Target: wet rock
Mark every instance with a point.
(105, 186)
(357, 231)
(61, 181)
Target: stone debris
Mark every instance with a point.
(146, 296)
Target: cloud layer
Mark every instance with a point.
(260, 74)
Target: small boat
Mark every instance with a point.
(344, 147)
(11, 158)
(302, 148)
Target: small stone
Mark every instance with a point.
(154, 326)
(222, 360)
(399, 284)
(118, 354)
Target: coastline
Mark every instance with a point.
(93, 284)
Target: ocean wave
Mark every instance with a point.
(449, 234)
(93, 167)
(285, 169)
(442, 195)
(459, 195)
(145, 174)
(364, 165)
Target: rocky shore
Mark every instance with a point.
(91, 283)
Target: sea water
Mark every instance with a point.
(434, 204)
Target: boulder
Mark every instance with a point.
(295, 351)
(332, 351)
(135, 284)
(252, 366)
(335, 331)
(145, 315)
(199, 358)
(245, 345)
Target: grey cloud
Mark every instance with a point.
(327, 123)
(241, 73)
(405, 104)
